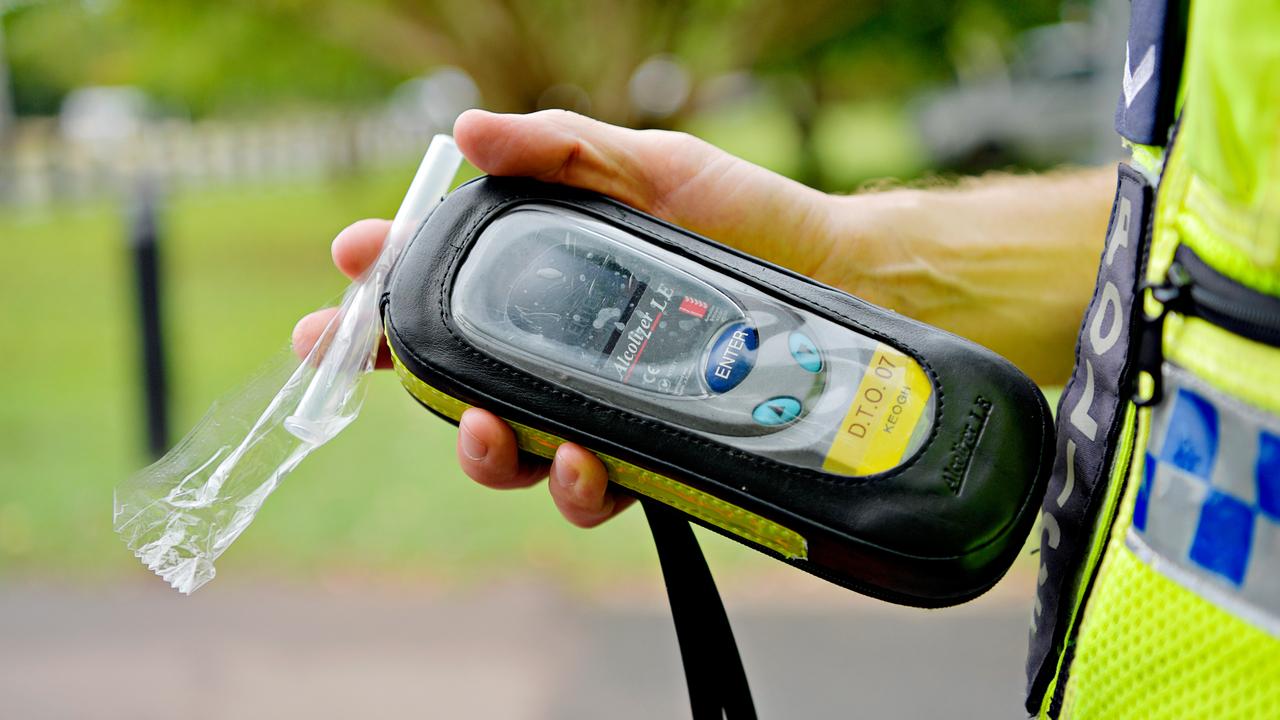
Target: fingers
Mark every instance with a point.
(358, 245)
(309, 329)
(488, 454)
(636, 167)
(354, 250)
(579, 486)
(579, 483)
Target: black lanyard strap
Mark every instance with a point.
(717, 683)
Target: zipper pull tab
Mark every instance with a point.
(1171, 294)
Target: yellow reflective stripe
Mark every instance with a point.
(1232, 364)
(704, 506)
(1110, 540)
(1226, 236)
(1101, 534)
(1148, 158)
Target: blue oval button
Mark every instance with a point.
(731, 357)
(776, 411)
(804, 352)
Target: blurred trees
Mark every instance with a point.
(238, 55)
(193, 57)
(254, 56)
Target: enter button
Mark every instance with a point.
(731, 357)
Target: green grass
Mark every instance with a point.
(240, 267)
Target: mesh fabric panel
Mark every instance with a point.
(1150, 648)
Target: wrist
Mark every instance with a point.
(875, 248)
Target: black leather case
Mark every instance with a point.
(939, 529)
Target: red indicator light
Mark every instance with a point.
(694, 307)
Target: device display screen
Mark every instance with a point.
(637, 324)
(576, 297)
(617, 315)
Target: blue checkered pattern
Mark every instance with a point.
(1208, 508)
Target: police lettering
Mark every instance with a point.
(1100, 343)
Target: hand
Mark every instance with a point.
(1005, 261)
(671, 175)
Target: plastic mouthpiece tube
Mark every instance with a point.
(179, 514)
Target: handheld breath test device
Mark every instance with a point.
(877, 452)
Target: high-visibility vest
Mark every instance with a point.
(1159, 588)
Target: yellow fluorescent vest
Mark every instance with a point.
(1167, 604)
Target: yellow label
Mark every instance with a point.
(884, 412)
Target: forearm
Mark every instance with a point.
(1007, 261)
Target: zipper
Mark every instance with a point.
(1195, 289)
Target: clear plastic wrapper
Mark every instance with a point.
(179, 514)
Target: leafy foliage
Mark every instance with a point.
(244, 55)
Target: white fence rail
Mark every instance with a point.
(39, 165)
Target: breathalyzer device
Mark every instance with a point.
(877, 452)
(861, 446)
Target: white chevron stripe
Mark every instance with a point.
(1137, 79)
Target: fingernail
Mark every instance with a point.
(472, 446)
(565, 474)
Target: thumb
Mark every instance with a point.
(557, 146)
(672, 175)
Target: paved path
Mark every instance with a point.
(517, 650)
